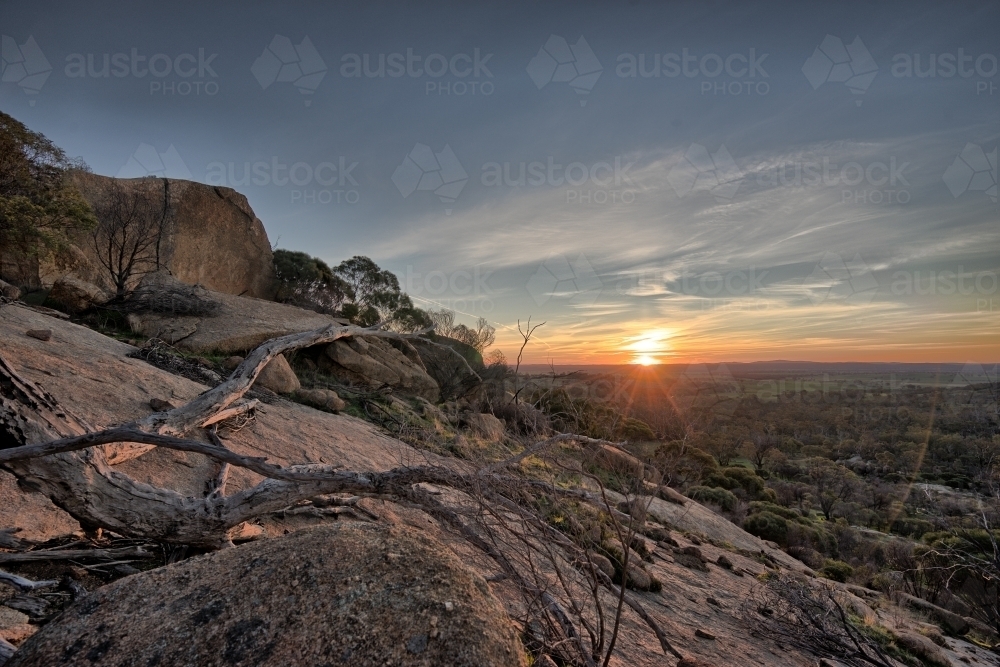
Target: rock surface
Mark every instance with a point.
(324, 596)
(279, 377)
(237, 324)
(451, 363)
(211, 236)
(373, 362)
(75, 296)
(9, 291)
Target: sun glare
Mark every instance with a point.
(649, 347)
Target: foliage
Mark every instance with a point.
(308, 282)
(836, 570)
(714, 496)
(356, 289)
(767, 526)
(39, 205)
(481, 337)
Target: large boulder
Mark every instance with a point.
(351, 593)
(211, 236)
(224, 323)
(278, 376)
(451, 363)
(76, 296)
(371, 361)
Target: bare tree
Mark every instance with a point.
(127, 235)
(810, 616)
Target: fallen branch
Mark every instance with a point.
(74, 554)
(22, 584)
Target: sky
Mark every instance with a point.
(656, 182)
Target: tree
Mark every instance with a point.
(832, 482)
(127, 236)
(758, 449)
(377, 295)
(39, 205)
(308, 282)
(481, 337)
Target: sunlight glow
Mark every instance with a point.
(649, 346)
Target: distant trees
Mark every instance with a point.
(38, 203)
(480, 337)
(127, 236)
(356, 289)
(308, 282)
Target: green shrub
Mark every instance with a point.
(784, 512)
(767, 526)
(705, 494)
(836, 570)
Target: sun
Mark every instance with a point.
(648, 347)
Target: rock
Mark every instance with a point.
(485, 425)
(76, 296)
(43, 335)
(696, 552)
(692, 662)
(713, 602)
(160, 405)
(373, 362)
(235, 324)
(617, 461)
(638, 578)
(670, 495)
(635, 508)
(321, 398)
(278, 376)
(232, 363)
(314, 596)
(603, 563)
(922, 647)
(454, 365)
(950, 622)
(724, 562)
(211, 236)
(704, 634)
(9, 291)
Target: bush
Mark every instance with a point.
(706, 494)
(836, 570)
(783, 512)
(767, 526)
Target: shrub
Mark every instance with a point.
(706, 494)
(767, 526)
(836, 570)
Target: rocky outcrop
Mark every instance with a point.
(451, 363)
(373, 362)
(351, 593)
(76, 296)
(211, 237)
(234, 324)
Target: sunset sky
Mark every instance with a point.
(774, 182)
